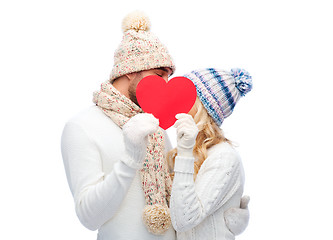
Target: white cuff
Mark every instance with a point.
(184, 164)
(129, 161)
(184, 152)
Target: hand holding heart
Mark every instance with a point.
(187, 132)
(166, 99)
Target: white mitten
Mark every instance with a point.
(237, 219)
(136, 132)
(187, 132)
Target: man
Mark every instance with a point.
(114, 153)
(103, 158)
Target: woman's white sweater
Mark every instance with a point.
(197, 207)
(107, 193)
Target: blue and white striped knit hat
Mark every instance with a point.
(220, 90)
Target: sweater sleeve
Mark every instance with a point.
(192, 202)
(96, 196)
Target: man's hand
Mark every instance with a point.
(136, 132)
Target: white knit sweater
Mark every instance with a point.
(197, 208)
(107, 193)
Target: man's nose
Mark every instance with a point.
(166, 78)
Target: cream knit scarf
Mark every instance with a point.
(156, 181)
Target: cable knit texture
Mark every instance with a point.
(197, 208)
(156, 181)
(107, 192)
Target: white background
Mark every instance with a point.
(54, 54)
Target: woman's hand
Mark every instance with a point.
(187, 132)
(237, 219)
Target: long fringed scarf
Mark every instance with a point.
(156, 181)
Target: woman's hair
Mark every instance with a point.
(209, 135)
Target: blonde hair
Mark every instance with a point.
(209, 135)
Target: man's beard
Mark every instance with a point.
(132, 94)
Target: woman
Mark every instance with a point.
(208, 173)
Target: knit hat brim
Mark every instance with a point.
(145, 62)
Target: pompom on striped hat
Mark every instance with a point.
(220, 90)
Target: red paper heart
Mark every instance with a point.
(166, 99)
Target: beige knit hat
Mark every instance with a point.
(140, 49)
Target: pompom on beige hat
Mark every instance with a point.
(139, 49)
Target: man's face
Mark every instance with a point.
(161, 72)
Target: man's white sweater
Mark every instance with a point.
(107, 193)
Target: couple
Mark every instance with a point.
(125, 179)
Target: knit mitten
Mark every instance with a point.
(136, 132)
(187, 132)
(237, 219)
